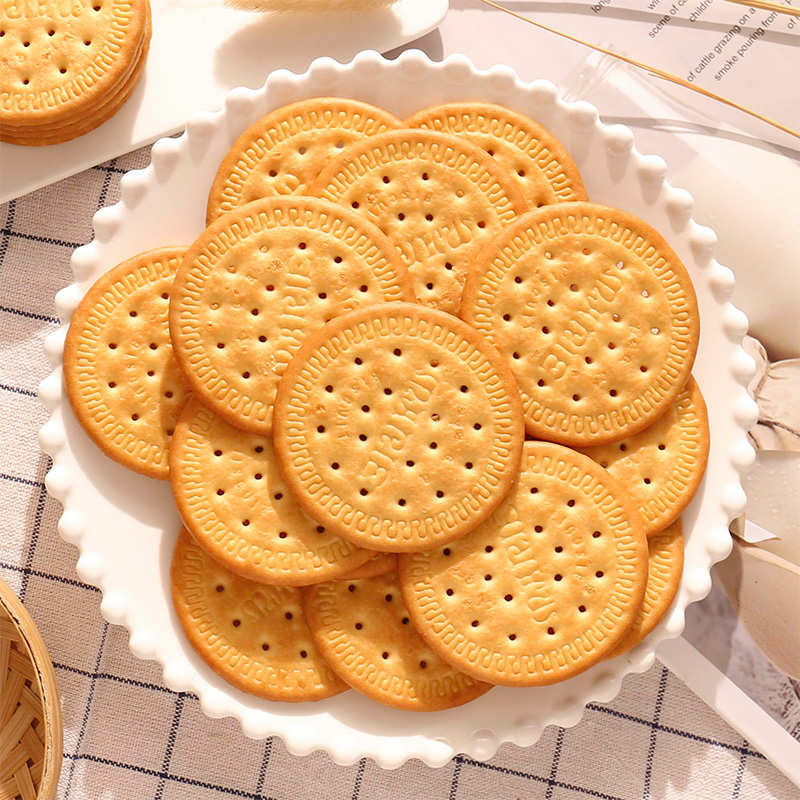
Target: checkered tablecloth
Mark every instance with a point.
(128, 736)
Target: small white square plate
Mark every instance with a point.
(200, 50)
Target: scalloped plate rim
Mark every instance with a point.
(137, 186)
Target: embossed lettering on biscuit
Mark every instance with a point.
(398, 427)
(595, 314)
(439, 198)
(545, 587)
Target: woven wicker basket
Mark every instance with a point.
(31, 734)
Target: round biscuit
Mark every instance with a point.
(596, 315)
(58, 66)
(662, 466)
(251, 634)
(665, 569)
(122, 381)
(398, 427)
(257, 281)
(233, 501)
(83, 122)
(528, 152)
(439, 198)
(286, 150)
(363, 631)
(545, 587)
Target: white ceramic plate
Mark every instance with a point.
(125, 525)
(200, 50)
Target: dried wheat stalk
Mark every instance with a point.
(766, 5)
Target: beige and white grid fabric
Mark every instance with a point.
(128, 736)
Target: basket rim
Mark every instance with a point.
(48, 689)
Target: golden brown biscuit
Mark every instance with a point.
(363, 631)
(596, 315)
(71, 128)
(544, 588)
(285, 151)
(398, 427)
(529, 153)
(59, 68)
(662, 466)
(439, 198)
(232, 499)
(665, 569)
(257, 281)
(251, 634)
(122, 380)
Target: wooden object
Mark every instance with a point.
(31, 733)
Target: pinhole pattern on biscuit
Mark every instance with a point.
(545, 587)
(595, 314)
(398, 427)
(62, 61)
(438, 198)
(286, 150)
(662, 466)
(253, 635)
(234, 502)
(122, 379)
(40, 134)
(257, 282)
(363, 630)
(665, 570)
(530, 154)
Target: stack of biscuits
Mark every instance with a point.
(67, 67)
(427, 412)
